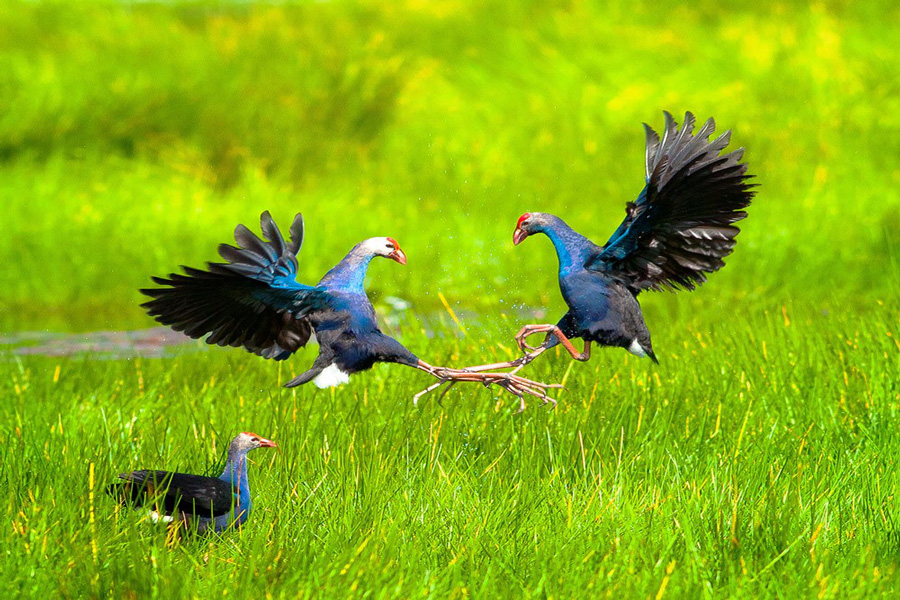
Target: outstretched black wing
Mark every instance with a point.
(680, 227)
(252, 300)
(174, 492)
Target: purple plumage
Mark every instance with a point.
(679, 229)
(195, 500)
(254, 301)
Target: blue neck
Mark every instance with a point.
(349, 275)
(572, 248)
(235, 473)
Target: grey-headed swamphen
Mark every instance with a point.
(195, 500)
(679, 229)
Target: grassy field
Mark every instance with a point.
(759, 459)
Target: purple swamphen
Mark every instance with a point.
(254, 300)
(195, 500)
(679, 228)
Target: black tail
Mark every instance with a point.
(304, 377)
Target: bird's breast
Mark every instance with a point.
(585, 291)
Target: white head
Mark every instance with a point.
(384, 246)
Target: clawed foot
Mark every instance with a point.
(512, 383)
(526, 332)
(493, 374)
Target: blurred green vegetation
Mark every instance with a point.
(759, 459)
(134, 137)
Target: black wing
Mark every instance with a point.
(252, 300)
(174, 492)
(680, 227)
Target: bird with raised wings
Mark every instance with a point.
(195, 500)
(679, 229)
(253, 300)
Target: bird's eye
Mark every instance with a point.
(256, 439)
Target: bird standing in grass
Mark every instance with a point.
(679, 228)
(196, 501)
(253, 300)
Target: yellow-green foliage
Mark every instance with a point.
(134, 137)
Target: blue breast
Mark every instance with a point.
(587, 295)
(236, 475)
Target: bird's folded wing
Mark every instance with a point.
(175, 492)
(252, 300)
(681, 225)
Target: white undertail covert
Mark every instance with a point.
(331, 376)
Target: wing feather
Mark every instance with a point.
(251, 300)
(174, 492)
(681, 226)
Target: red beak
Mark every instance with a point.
(518, 235)
(398, 255)
(264, 443)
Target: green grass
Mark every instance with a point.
(759, 459)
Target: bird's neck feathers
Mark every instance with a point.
(236, 468)
(349, 275)
(572, 248)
